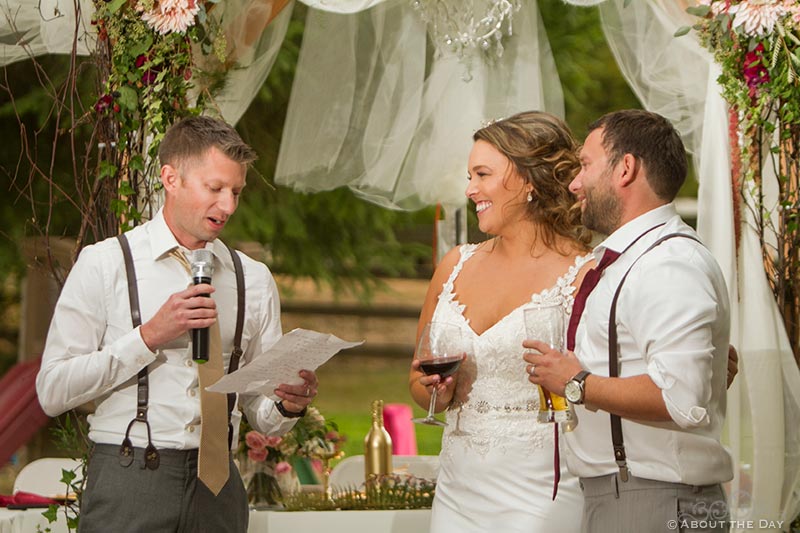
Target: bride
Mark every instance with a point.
(496, 463)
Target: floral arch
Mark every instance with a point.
(374, 107)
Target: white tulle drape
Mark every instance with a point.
(254, 45)
(28, 27)
(373, 108)
(676, 78)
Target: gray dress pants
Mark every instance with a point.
(613, 506)
(169, 499)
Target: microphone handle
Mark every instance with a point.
(200, 336)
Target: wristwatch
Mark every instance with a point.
(289, 414)
(573, 390)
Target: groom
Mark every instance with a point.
(647, 449)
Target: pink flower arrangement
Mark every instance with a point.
(260, 447)
(310, 434)
(170, 16)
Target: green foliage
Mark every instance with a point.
(71, 435)
(759, 57)
(331, 236)
(590, 77)
(391, 491)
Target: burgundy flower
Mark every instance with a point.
(754, 71)
(103, 103)
(149, 76)
(140, 60)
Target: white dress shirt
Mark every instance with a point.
(673, 324)
(93, 353)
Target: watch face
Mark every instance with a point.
(572, 392)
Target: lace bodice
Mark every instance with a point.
(494, 403)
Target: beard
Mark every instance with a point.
(601, 212)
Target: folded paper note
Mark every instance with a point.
(297, 350)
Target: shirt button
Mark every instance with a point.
(193, 393)
(188, 362)
(140, 360)
(190, 429)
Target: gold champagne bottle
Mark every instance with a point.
(377, 445)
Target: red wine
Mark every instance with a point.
(444, 366)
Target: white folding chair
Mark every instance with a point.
(43, 476)
(350, 470)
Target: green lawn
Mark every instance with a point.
(349, 383)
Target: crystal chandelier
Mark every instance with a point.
(468, 27)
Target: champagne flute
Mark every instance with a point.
(440, 350)
(545, 323)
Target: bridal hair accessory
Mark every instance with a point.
(530, 196)
(488, 122)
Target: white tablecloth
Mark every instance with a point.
(19, 521)
(412, 521)
(416, 521)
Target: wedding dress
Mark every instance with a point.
(496, 462)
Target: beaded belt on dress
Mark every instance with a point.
(484, 407)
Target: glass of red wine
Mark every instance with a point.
(440, 350)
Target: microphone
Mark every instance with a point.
(202, 270)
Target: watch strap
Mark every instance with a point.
(580, 379)
(289, 414)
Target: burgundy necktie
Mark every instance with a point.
(589, 283)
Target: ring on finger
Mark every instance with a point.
(532, 370)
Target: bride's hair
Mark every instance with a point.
(545, 155)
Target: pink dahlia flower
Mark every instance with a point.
(171, 16)
(757, 17)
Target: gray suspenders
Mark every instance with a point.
(151, 453)
(613, 359)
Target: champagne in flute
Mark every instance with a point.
(546, 323)
(440, 350)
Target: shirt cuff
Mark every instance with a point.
(270, 421)
(131, 352)
(680, 406)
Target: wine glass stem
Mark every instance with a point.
(433, 403)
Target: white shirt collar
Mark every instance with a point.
(631, 230)
(162, 240)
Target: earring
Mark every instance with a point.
(530, 197)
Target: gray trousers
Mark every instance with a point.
(611, 506)
(168, 499)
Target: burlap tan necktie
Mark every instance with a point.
(212, 462)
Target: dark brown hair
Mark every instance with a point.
(545, 155)
(650, 138)
(192, 137)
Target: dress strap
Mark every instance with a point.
(572, 272)
(466, 251)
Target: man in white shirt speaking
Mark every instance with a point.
(661, 378)
(161, 458)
